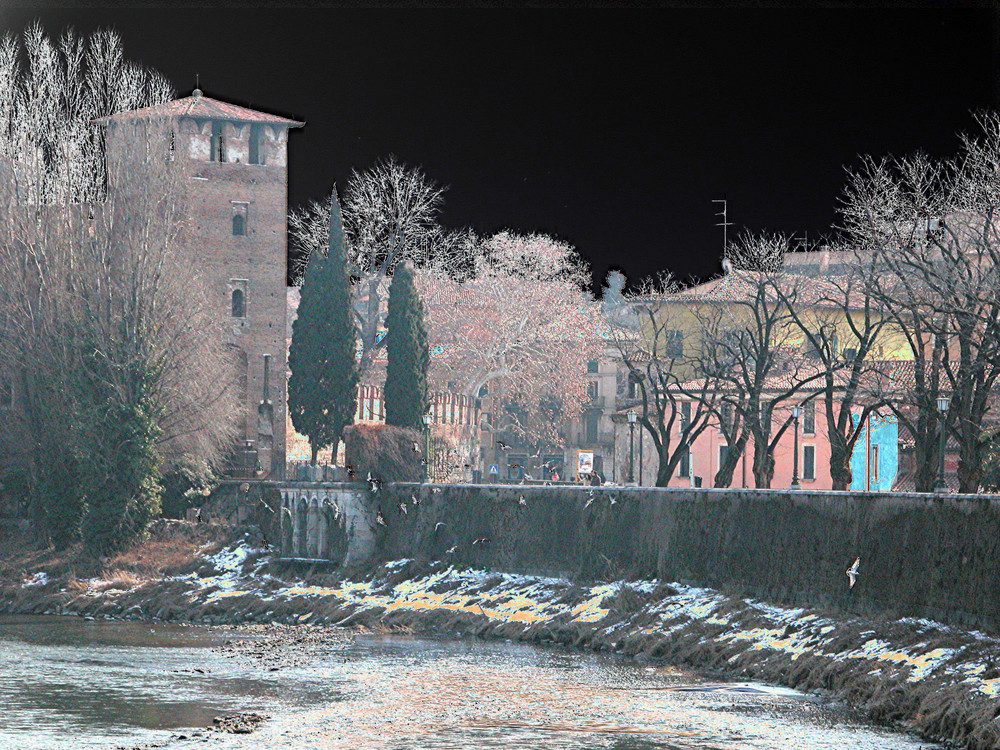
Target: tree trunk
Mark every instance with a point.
(763, 465)
(724, 476)
(840, 465)
(969, 470)
(315, 451)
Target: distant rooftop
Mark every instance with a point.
(199, 106)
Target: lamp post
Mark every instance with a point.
(942, 404)
(427, 445)
(796, 411)
(632, 416)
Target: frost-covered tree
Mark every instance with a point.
(390, 215)
(523, 324)
(48, 136)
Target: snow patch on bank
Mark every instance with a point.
(531, 600)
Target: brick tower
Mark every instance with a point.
(234, 180)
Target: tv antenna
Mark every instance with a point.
(802, 242)
(725, 224)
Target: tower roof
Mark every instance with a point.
(201, 107)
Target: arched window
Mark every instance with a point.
(239, 304)
(239, 224)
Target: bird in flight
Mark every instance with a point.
(522, 501)
(516, 466)
(613, 499)
(484, 540)
(590, 499)
(435, 490)
(350, 471)
(502, 445)
(852, 573)
(451, 550)
(439, 524)
(375, 482)
(402, 508)
(414, 499)
(378, 518)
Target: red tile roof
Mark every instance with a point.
(202, 107)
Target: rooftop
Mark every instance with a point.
(202, 107)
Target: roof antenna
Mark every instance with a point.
(725, 224)
(197, 87)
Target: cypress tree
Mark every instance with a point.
(408, 353)
(322, 389)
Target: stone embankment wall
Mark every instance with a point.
(921, 556)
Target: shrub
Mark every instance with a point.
(385, 451)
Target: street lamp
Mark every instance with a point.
(427, 445)
(796, 411)
(632, 416)
(942, 404)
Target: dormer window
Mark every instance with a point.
(218, 143)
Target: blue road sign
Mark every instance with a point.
(494, 469)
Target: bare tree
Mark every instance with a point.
(752, 347)
(390, 215)
(117, 360)
(933, 226)
(842, 322)
(677, 398)
(522, 323)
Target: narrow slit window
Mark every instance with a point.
(809, 462)
(240, 211)
(218, 143)
(239, 304)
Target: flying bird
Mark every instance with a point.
(852, 573)
(502, 445)
(522, 501)
(612, 499)
(484, 540)
(402, 508)
(516, 466)
(451, 550)
(416, 447)
(414, 499)
(350, 471)
(590, 499)
(378, 518)
(438, 525)
(376, 484)
(435, 490)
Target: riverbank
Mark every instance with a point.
(941, 683)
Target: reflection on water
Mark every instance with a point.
(67, 682)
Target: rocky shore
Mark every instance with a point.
(916, 675)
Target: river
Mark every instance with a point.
(66, 682)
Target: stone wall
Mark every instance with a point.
(920, 555)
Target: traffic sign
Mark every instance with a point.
(494, 469)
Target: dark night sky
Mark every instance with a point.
(610, 129)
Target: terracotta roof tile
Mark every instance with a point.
(201, 107)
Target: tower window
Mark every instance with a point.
(239, 304)
(256, 155)
(240, 218)
(218, 143)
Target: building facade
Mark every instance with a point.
(233, 166)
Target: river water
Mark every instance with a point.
(73, 683)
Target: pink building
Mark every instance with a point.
(710, 447)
